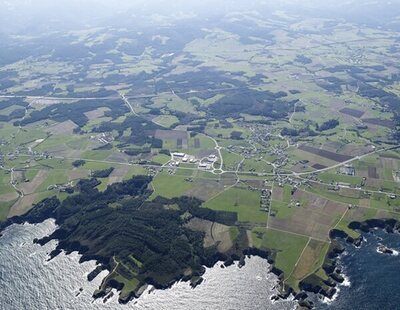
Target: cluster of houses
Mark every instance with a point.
(68, 187)
(347, 170)
(265, 201)
(294, 182)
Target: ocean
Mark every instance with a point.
(29, 281)
(372, 278)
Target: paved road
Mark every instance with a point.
(128, 103)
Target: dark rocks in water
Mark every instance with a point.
(213, 259)
(329, 293)
(242, 262)
(314, 284)
(277, 272)
(200, 272)
(310, 287)
(80, 291)
(389, 229)
(94, 273)
(125, 299)
(330, 282)
(384, 249)
(270, 261)
(140, 291)
(53, 254)
(337, 277)
(274, 297)
(301, 295)
(110, 295)
(357, 242)
(305, 304)
(99, 294)
(229, 262)
(112, 283)
(196, 281)
(186, 278)
(285, 292)
(335, 250)
(233, 258)
(329, 268)
(256, 252)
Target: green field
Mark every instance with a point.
(170, 186)
(286, 247)
(245, 203)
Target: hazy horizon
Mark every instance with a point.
(45, 15)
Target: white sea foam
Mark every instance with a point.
(329, 301)
(346, 281)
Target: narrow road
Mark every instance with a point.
(12, 182)
(128, 104)
(294, 112)
(294, 174)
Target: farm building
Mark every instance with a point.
(347, 170)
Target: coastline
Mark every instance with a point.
(327, 288)
(252, 280)
(336, 276)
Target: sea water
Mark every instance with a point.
(372, 279)
(29, 281)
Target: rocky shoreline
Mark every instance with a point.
(38, 215)
(312, 284)
(327, 288)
